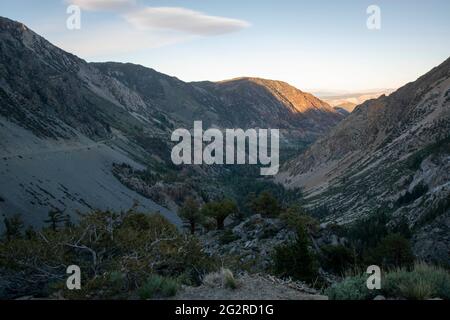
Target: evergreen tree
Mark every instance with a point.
(295, 259)
(219, 210)
(266, 205)
(13, 227)
(393, 251)
(55, 219)
(190, 213)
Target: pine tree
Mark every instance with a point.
(55, 219)
(266, 205)
(219, 210)
(190, 213)
(13, 227)
(295, 259)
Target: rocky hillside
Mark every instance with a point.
(391, 153)
(275, 104)
(65, 122)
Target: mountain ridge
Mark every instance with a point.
(387, 150)
(113, 113)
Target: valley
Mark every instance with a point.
(87, 177)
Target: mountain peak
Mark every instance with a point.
(295, 99)
(270, 83)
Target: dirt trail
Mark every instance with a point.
(251, 287)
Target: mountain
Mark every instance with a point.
(346, 106)
(349, 101)
(80, 136)
(275, 104)
(390, 154)
(238, 103)
(342, 109)
(57, 119)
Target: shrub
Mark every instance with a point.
(102, 243)
(228, 279)
(112, 285)
(367, 232)
(393, 251)
(423, 282)
(295, 217)
(266, 205)
(337, 259)
(213, 280)
(295, 259)
(227, 237)
(158, 287)
(222, 279)
(351, 288)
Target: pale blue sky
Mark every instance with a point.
(314, 45)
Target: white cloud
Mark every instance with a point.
(184, 20)
(142, 28)
(104, 5)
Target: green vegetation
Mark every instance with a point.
(244, 184)
(375, 243)
(369, 241)
(295, 259)
(414, 161)
(13, 226)
(351, 288)
(120, 255)
(266, 205)
(337, 259)
(295, 217)
(223, 278)
(219, 210)
(394, 250)
(422, 282)
(56, 218)
(158, 287)
(227, 237)
(228, 279)
(434, 212)
(190, 213)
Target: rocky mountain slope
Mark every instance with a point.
(64, 122)
(275, 104)
(391, 153)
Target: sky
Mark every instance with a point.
(320, 45)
